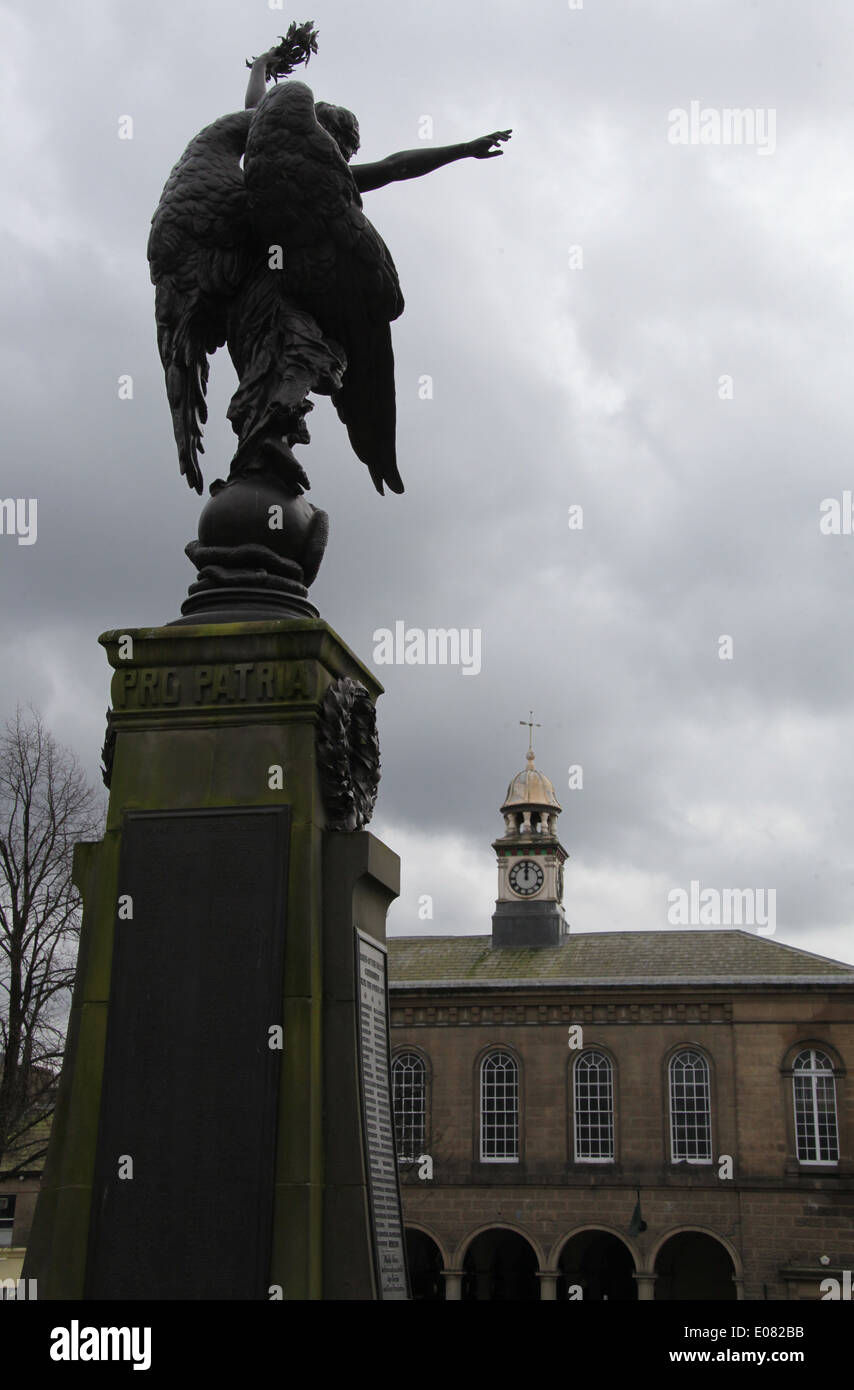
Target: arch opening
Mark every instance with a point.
(500, 1267)
(599, 1265)
(425, 1266)
(696, 1267)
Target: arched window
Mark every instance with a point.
(409, 1100)
(499, 1109)
(815, 1107)
(690, 1107)
(593, 1108)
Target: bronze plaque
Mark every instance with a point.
(183, 1197)
(374, 1070)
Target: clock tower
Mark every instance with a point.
(529, 909)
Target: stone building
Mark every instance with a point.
(20, 1179)
(653, 1115)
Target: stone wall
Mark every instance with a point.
(774, 1215)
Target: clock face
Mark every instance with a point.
(526, 878)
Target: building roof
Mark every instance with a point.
(722, 956)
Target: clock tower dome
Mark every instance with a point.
(529, 910)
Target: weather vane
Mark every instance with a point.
(531, 726)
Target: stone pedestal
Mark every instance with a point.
(223, 1128)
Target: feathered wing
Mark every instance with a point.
(303, 197)
(199, 254)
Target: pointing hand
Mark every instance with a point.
(482, 147)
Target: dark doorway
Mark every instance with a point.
(425, 1266)
(601, 1265)
(694, 1266)
(500, 1267)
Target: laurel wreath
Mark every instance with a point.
(348, 753)
(295, 47)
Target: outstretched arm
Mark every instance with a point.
(411, 164)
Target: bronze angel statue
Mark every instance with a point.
(260, 243)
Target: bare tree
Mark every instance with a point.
(46, 805)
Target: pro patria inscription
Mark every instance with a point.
(237, 683)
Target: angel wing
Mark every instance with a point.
(199, 252)
(302, 196)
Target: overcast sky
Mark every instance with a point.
(686, 377)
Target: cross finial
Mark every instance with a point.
(531, 727)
